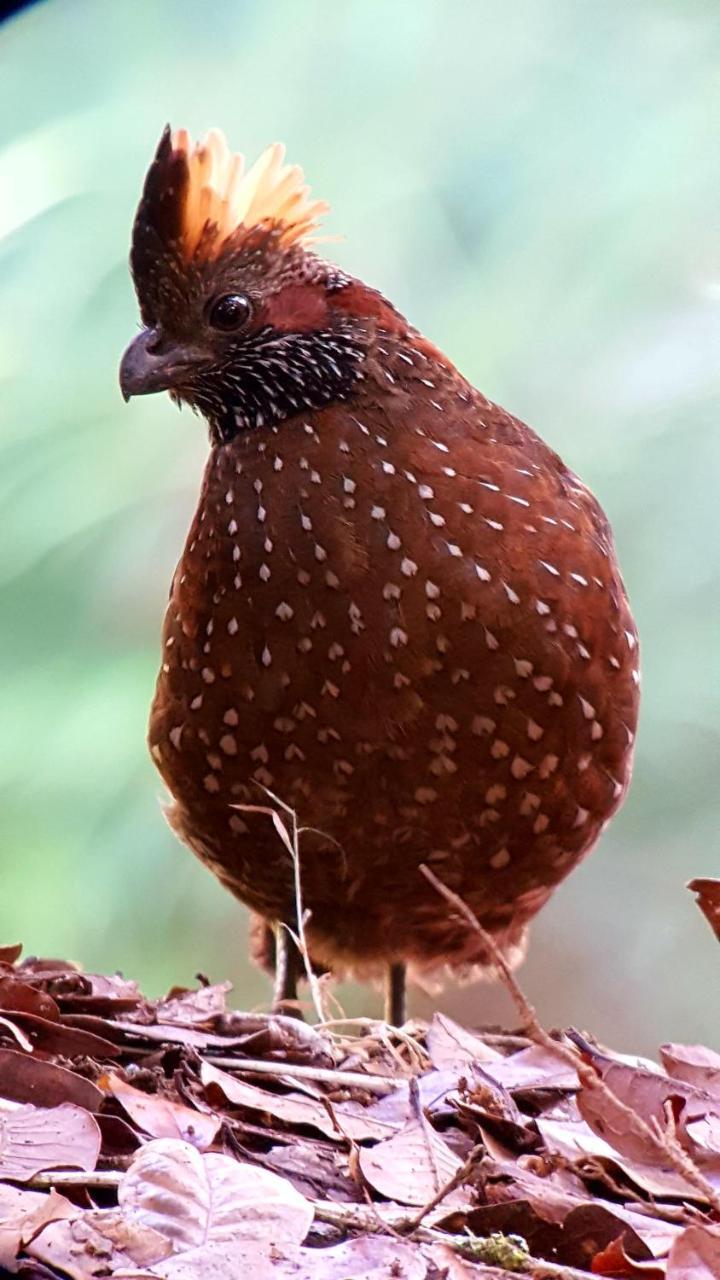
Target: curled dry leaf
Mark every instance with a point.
(296, 1109)
(17, 995)
(613, 1261)
(695, 1255)
(8, 955)
(58, 1037)
(168, 1033)
(28, 1079)
(412, 1166)
(161, 1117)
(646, 1093)
(279, 1034)
(694, 1064)
(708, 900)
(36, 1138)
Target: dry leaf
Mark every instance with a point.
(296, 1109)
(35, 1138)
(161, 1117)
(99, 1242)
(412, 1166)
(452, 1048)
(15, 994)
(695, 1255)
(613, 1261)
(28, 1079)
(573, 1138)
(533, 1068)
(209, 1200)
(708, 900)
(646, 1094)
(23, 1213)
(694, 1064)
(61, 1038)
(395, 1107)
(188, 1007)
(182, 1216)
(364, 1258)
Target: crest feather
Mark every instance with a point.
(221, 191)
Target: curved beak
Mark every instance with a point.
(148, 366)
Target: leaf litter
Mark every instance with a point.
(181, 1138)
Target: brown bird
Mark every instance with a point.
(397, 610)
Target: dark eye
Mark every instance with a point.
(229, 312)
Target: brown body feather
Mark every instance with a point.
(406, 620)
(397, 610)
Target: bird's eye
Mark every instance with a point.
(229, 312)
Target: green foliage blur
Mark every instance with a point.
(536, 185)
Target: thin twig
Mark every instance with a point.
(456, 1180)
(323, 1075)
(663, 1142)
(291, 840)
(75, 1178)
(353, 1217)
(383, 1032)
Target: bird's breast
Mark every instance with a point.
(397, 626)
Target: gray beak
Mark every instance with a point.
(148, 366)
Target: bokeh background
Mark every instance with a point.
(537, 186)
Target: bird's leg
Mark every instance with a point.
(288, 969)
(395, 995)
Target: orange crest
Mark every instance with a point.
(222, 192)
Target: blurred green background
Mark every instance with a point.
(537, 186)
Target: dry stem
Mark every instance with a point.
(299, 1071)
(664, 1142)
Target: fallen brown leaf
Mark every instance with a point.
(695, 1255)
(161, 1117)
(17, 995)
(412, 1166)
(199, 1201)
(364, 1258)
(533, 1068)
(295, 1108)
(99, 1242)
(186, 1007)
(646, 1093)
(453, 1048)
(573, 1138)
(55, 1036)
(708, 900)
(24, 1078)
(694, 1064)
(23, 1214)
(36, 1138)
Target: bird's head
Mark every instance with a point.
(240, 318)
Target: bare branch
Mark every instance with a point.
(665, 1142)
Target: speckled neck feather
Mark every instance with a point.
(276, 376)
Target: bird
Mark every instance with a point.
(398, 614)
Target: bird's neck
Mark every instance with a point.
(280, 376)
